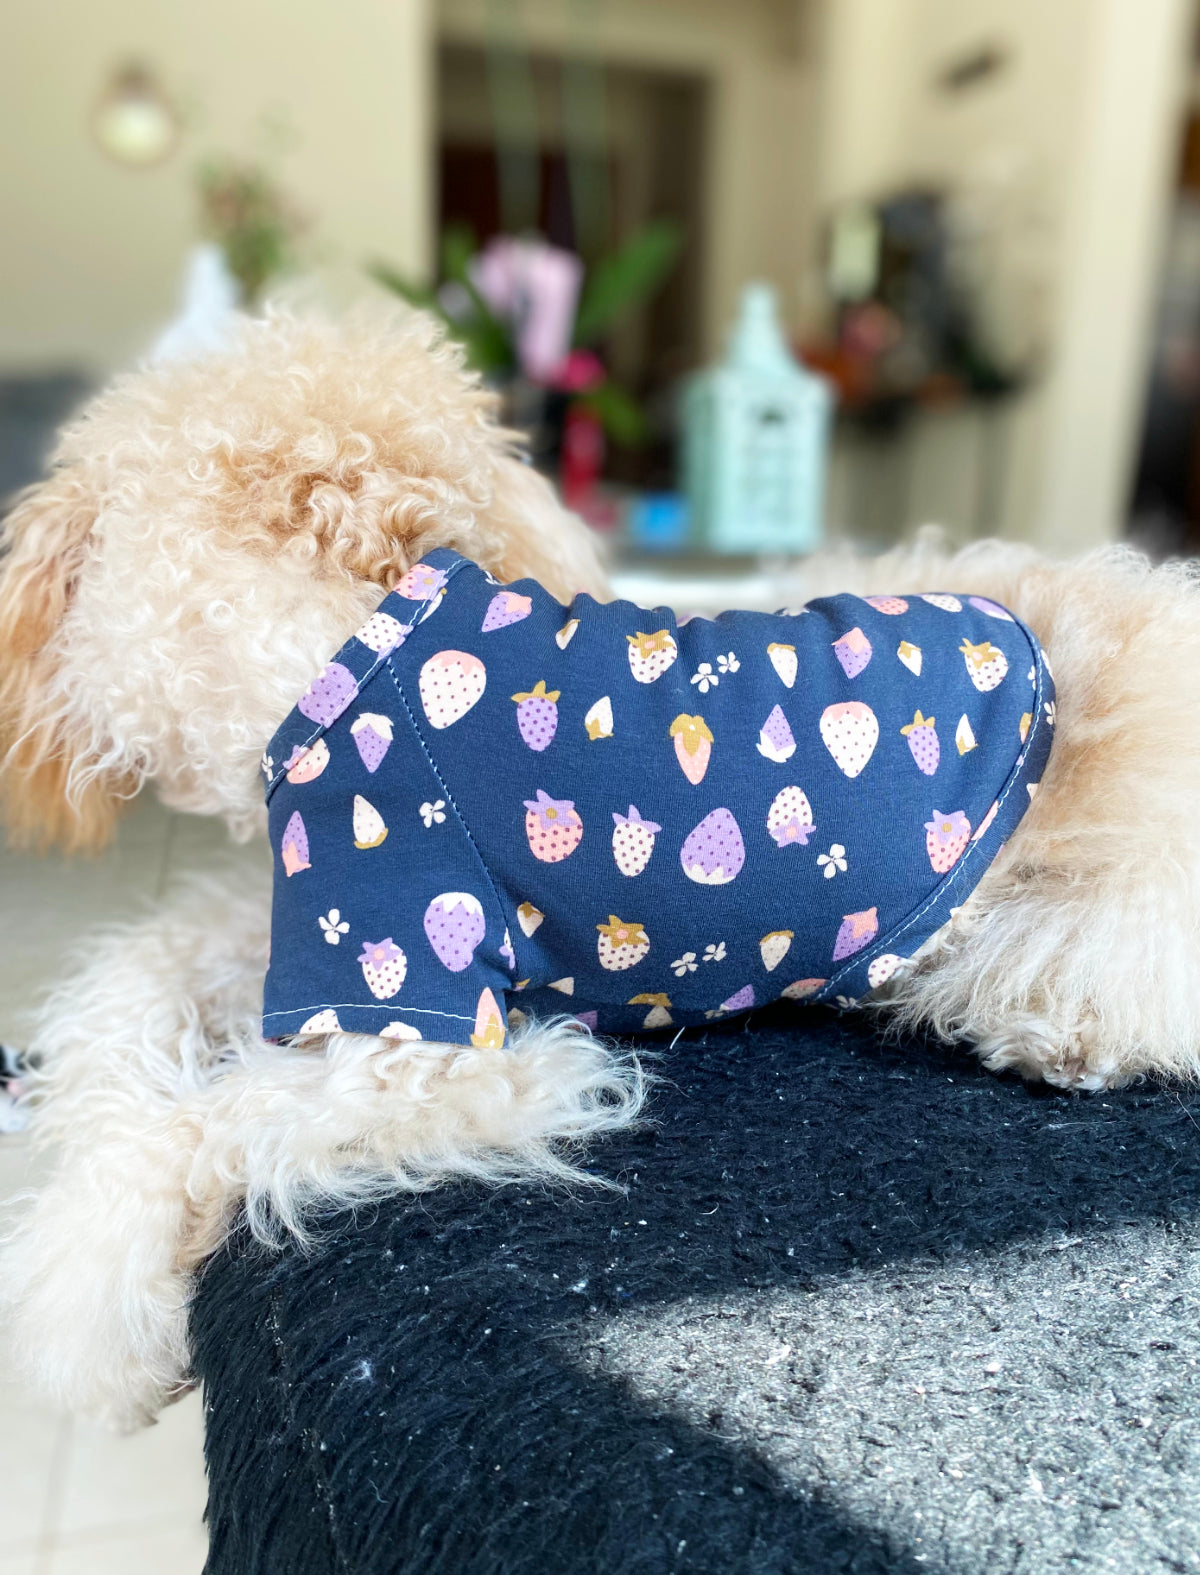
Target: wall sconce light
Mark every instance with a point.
(134, 122)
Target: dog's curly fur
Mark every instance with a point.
(209, 536)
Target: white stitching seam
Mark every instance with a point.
(359, 683)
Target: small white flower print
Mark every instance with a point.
(685, 964)
(846, 1003)
(715, 953)
(705, 678)
(833, 861)
(433, 814)
(334, 927)
(268, 765)
(1033, 676)
(1051, 710)
(728, 664)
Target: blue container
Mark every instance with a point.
(756, 438)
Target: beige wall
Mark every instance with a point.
(90, 253)
(1073, 147)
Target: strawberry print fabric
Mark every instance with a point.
(489, 806)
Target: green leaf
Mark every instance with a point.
(630, 276)
(422, 295)
(618, 413)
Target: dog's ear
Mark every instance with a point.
(52, 792)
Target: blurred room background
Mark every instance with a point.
(752, 274)
(979, 219)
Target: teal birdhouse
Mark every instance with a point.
(756, 435)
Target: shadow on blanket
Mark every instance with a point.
(431, 1388)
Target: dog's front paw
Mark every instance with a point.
(1037, 1050)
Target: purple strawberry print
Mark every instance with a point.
(923, 743)
(294, 849)
(454, 925)
(537, 715)
(857, 930)
(775, 739)
(853, 651)
(372, 736)
(328, 695)
(713, 854)
(504, 608)
(742, 1001)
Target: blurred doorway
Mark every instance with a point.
(583, 152)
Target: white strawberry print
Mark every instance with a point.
(790, 818)
(622, 944)
(850, 733)
(369, 829)
(566, 634)
(384, 967)
(450, 684)
(986, 664)
(910, 655)
(529, 917)
(599, 719)
(882, 968)
(325, 1022)
(774, 948)
(650, 655)
(383, 633)
(946, 603)
(783, 660)
(659, 1015)
(633, 841)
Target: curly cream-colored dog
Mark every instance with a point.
(210, 534)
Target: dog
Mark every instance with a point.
(209, 535)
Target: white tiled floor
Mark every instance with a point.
(75, 1500)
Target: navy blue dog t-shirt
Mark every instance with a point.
(489, 802)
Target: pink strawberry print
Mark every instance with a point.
(306, 765)
(892, 605)
(506, 607)
(693, 746)
(384, 968)
(294, 848)
(633, 841)
(713, 853)
(853, 651)
(856, 931)
(489, 1025)
(450, 684)
(420, 583)
(372, 736)
(383, 633)
(946, 837)
(850, 732)
(454, 927)
(553, 827)
(328, 695)
(537, 715)
(923, 743)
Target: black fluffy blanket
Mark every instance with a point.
(859, 1308)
